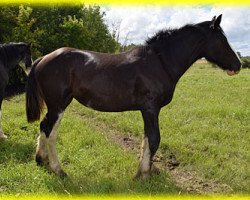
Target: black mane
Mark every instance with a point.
(167, 34)
(9, 52)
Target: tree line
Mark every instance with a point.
(50, 27)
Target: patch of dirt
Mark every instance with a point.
(193, 183)
(127, 142)
(188, 181)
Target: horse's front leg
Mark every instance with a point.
(150, 142)
(2, 135)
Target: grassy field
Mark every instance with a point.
(206, 127)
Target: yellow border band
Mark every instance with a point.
(135, 197)
(129, 2)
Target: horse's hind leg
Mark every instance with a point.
(42, 150)
(46, 149)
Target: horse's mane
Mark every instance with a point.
(168, 34)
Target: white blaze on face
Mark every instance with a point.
(234, 51)
(231, 47)
(229, 72)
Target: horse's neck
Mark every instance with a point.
(183, 54)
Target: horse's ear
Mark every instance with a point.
(213, 20)
(216, 22)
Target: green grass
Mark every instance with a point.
(206, 126)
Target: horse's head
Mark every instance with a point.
(25, 54)
(218, 50)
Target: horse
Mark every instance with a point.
(10, 56)
(143, 78)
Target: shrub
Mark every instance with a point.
(245, 62)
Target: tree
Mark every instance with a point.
(75, 26)
(8, 21)
(239, 54)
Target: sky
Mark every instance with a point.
(136, 23)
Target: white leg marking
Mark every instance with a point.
(144, 167)
(2, 135)
(53, 158)
(42, 149)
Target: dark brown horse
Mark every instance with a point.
(10, 56)
(143, 78)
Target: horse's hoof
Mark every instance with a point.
(40, 161)
(141, 176)
(62, 174)
(3, 136)
(155, 170)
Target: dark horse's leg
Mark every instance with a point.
(2, 135)
(150, 142)
(3, 83)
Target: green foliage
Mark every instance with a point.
(8, 16)
(75, 26)
(245, 62)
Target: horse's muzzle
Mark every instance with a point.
(232, 72)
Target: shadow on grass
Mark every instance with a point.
(13, 150)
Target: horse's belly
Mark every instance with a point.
(111, 101)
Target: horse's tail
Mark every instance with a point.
(34, 100)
